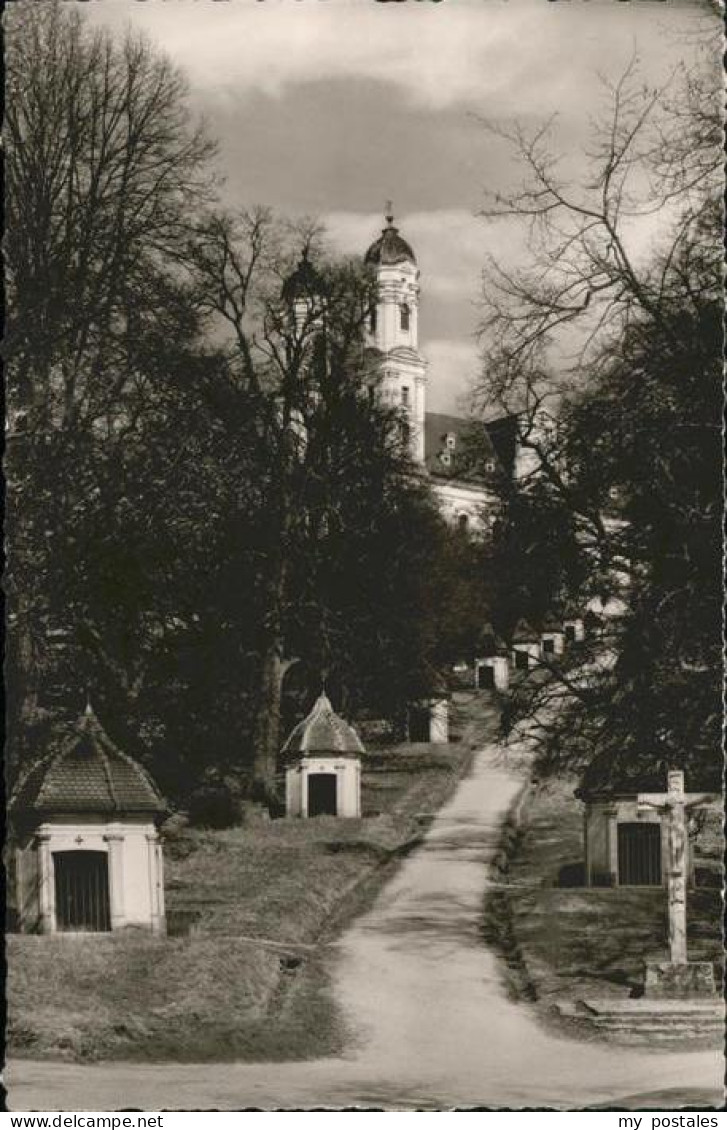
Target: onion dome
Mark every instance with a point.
(571, 611)
(486, 641)
(85, 773)
(323, 733)
(489, 643)
(441, 688)
(389, 248)
(304, 282)
(524, 633)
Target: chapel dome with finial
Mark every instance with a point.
(389, 249)
(83, 771)
(524, 633)
(323, 732)
(489, 643)
(304, 281)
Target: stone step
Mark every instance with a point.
(645, 1018)
(677, 1038)
(659, 1024)
(634, 1008)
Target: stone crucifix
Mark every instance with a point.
(673, 805)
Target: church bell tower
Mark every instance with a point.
(394, 330)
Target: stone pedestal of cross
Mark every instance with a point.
(677, 977)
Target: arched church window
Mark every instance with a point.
(372, 321)
(405, 396)
(463, 521)
(404, 315)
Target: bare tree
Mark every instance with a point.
(622, 279)
(585, 270)
(104, 175)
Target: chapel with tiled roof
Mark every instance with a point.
(86, 857)
(85, 771)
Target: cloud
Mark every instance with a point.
(453, 367)
(269, 46)
(502, 56)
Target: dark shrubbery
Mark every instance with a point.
(214, 806)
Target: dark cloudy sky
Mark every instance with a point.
(331, 107)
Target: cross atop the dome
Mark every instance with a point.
(389, 213)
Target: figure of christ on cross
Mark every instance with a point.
(673, 805)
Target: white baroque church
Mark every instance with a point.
(469, 494)
(466, 461)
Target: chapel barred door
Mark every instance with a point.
(639, 854)
(322, 794)
(82, 891)
(485, 677)
(419, 724)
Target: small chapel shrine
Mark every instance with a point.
(574, 629)
(323, 765)
(492, 672)
(552, 637)
(627, 840)
(428, 720)
(525, 646)
(624, 846)
(87, 852)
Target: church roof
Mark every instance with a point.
(389, 248)
(504, 437)
(551, 623)
(461, 462)
(323, 732)
(489, 643)
(592, 620)
(85, 772)
(304, 281)
(571, 611)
